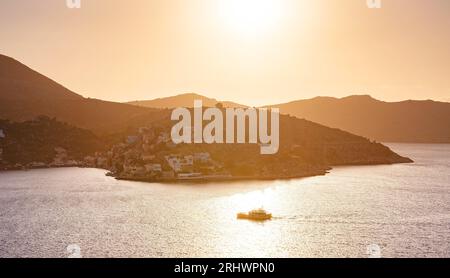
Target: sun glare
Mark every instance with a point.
(251, 17)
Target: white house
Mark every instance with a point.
(2, 134)
(178, 163)
(202, 157)
(174, 162)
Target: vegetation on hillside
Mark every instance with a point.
(38, 141)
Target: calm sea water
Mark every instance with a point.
(403, 209)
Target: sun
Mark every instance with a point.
(251, 17)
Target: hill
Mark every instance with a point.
(407, 121)
(306, 149)
(72, 126)
(183, 100)
(26, 94)
(42, 139)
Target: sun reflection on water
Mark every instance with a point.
(255, 199)
(250, 238)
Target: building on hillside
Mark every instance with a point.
(134, 170)
(180, 163)
(153, 168)
(2, 134)
(202, 157)
(188, 160)
(174, 162)
(60, 157)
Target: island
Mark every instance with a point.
(147, 153)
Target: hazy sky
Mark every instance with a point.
(250, 51)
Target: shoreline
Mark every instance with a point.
(221, 178)
(206, 179)
(197, 180)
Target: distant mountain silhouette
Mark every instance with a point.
(26, 94)
(406, 121)
(183, 100)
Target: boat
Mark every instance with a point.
(255, 215)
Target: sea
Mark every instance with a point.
(400, 210)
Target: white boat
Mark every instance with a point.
(256, 215)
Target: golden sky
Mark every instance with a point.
(250, 51)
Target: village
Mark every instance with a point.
(149, 155)
(152, 156)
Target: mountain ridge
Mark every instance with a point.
(306, 148)
(359, 114)
(409, 121)
(26, 94)
(183, 100)
(19, 81)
